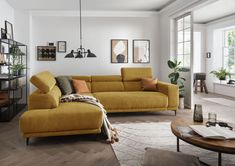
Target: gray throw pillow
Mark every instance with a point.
(64, 83)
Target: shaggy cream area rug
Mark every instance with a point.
(135, 137)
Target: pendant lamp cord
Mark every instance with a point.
(80, 4)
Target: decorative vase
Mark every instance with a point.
(198, 116)
(181, 103)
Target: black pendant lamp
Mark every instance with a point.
(81, 52)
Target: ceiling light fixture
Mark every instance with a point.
(81, 52)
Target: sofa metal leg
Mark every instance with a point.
(27, 141)
(175, 112)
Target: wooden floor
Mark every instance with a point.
(85, 150)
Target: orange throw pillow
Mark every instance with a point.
(80, 86)
(149, 84)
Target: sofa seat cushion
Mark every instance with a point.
(132, 100)
(66, 117)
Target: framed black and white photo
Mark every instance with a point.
(141, 51)
(9, 30)
(61, 46)
(46, 53)
(3, 33)
(119, 51)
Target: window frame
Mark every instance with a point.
(184, 30)
(227, 47)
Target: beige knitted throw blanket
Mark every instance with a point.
(107, 128)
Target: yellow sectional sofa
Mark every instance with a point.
(46, 116)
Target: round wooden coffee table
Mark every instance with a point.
(220, 146)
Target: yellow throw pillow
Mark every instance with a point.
(149, 84)
(80, 86)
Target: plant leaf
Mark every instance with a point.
(171, 64)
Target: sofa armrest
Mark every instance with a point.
(40, 100)
(172, 91)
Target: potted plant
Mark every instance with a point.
(16, 66)
(176, 79)
(221, 74)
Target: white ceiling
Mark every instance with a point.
(213, 11)
(101, 5)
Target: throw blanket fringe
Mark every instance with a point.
(107, 128)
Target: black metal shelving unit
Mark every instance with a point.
(13, 85)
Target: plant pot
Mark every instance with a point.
(181, 103)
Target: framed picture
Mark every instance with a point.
(46, 53)
(141, 51)
(61, 46)
(119, 51)
(9, 30)
(3, 33)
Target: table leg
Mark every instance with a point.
(178, 144)
(219, 159)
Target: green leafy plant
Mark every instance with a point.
(221, 74)
(175, 77)
(16, 66)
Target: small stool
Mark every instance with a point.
(199, 81)
(158, 157)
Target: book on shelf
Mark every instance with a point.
(213, 132)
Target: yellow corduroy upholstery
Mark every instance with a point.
(44, 81)
(132, 100)
(104, 78)
(110, 83)
(107, 86)
(132, 77)
(40, 100)
(136, 74)
(48, 117)
(172, 91)
(66, 117)
(132, 86)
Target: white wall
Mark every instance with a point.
(97, 33)
(167, 45)
(6, 13)
(22, 26)
(214, 43)
(199, 47)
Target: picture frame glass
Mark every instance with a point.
(9, 30)
(61, 46)
(141, 51)
(119, 51)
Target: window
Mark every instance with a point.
(183, 40)
(229, 50)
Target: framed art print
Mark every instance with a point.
(119, 51)
(9, 30)
(141, 51)
(61, 46)
(46, 53)
(3, 33)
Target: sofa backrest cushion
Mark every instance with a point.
(44, 81)
(85, 78)
(40, 100)
(107, 83)
(132, 77)
(136, 74)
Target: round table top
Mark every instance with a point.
(223, 146)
